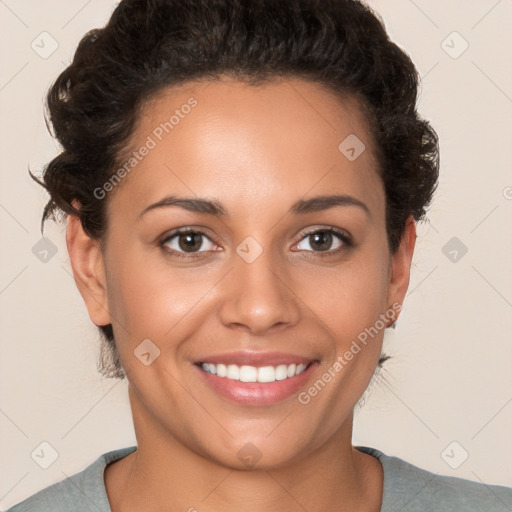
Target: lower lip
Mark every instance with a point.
(256, 393)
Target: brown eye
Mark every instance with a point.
(322, 240)
(188, 242)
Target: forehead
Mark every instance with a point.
(246, 145)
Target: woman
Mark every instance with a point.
(243, 182)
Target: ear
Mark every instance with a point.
(88, 270)
(400, 265)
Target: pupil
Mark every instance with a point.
(323, 239)
(190, 241)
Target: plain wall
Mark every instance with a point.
(450, 377)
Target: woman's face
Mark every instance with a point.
(286, 263)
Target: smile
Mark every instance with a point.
(245, 373)
(255, 379)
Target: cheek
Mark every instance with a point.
(150, 298)
(350, 297)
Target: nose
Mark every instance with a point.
(258, 298)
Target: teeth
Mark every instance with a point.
(248, 374)
(281, 372)
(233, 372)
(252, 373)
(266, 374)
(300, 369)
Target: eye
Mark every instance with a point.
(187, 241)
(321, 240)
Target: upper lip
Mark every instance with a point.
(244, 358)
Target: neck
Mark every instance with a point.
(165, 474)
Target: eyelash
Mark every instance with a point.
(346, 239)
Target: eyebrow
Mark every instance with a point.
(213, 207)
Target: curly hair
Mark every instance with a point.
(148, 45)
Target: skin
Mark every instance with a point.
(256, 150)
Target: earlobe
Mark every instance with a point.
(400, 267)
(88, 267)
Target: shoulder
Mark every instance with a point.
(86, 488)
(410, 489)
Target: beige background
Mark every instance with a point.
(450, 377)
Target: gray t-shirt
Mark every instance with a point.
(407, 488)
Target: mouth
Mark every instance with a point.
(262, 374)
(256, 379)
